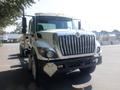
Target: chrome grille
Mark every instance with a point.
(72, 45)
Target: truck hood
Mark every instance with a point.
(48, 35)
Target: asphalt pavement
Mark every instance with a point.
(15, 76)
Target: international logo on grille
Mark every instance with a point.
(77, 34)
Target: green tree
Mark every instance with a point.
(18, 28)
(10, 10)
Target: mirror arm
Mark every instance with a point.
(79, 25)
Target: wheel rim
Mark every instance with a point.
(33, 68)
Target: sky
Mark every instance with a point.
(94, 14)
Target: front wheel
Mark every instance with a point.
(21, 52)
(29, 65)
(34, 68)
(88, 69)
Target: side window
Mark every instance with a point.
(75, 24)
(31, 27)
(69, 25)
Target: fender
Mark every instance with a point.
(42, 44)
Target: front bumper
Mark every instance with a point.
(73, 63)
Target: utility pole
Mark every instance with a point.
(24, 24)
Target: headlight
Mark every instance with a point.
(50, 54)
(46, 53)
(41, 51)
(98, 49)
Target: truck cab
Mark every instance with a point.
(58, 44)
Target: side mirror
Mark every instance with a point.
(24, 25)
(79, 25)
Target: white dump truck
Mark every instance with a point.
(58, 44)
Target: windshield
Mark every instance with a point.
(48, 23)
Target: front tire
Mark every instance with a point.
(29, 65)
(35, 68)
(88, 70)
(21, 52)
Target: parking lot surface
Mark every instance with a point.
(14, 74)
